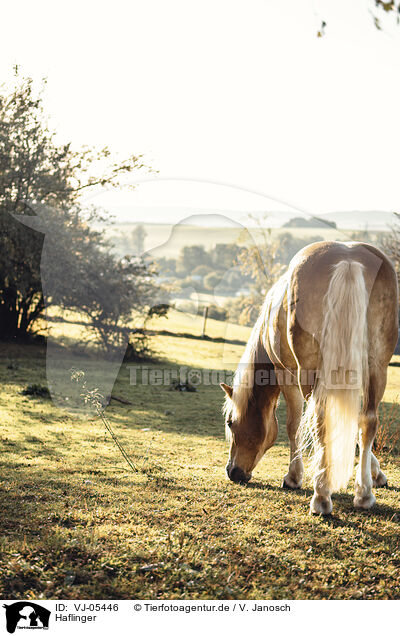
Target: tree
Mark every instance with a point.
(234, 279)
(224, 255)
(300, 221)
(36, 174)
(138, 237)
(191, 257)
(261, 263)
(84, 276)
(202, 270)
(378, 8)
(166, 266)
(211, 281)
(386, 7)
(390, 243)
(289, 245)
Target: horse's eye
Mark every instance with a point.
(229, 422)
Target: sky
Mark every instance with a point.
(237, 104)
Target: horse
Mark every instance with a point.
(324, 338)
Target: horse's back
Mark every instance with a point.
(300, 318)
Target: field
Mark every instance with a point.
(76, 522)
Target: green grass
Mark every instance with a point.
(77, 523)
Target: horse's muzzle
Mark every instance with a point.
(237, 475)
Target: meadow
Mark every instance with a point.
(76, 522)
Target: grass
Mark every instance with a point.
(71, 326)
(387, 439)
(77, 523)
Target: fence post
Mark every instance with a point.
(205, 314)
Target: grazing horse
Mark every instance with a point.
(325, 334)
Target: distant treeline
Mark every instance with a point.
(220, 269)
(300, 221)
(239, 271)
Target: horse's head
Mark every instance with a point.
(252, 428)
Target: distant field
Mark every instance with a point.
(175, 322)
(168, 239)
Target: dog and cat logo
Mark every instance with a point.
(26, 615)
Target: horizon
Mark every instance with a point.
(270, 219)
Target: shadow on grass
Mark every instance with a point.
(395, 488)
(258, 485)
(28, 445)
(342, 502)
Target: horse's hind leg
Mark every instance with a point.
(368, 471)
(294, 407)
(378, 477)
(321, 502)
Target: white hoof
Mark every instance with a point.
(321, 505)
(380, 481)
(290, 482)
(364, 502)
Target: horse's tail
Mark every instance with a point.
(344, 373)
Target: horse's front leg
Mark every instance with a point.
(294, 408)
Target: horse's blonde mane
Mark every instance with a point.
(254, 353)
(243, 381)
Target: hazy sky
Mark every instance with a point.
(231, 92)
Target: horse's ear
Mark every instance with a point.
(228, 389)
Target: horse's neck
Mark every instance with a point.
(252, 383)
(265, 386)
(264, 379)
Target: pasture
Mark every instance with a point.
(75, 522)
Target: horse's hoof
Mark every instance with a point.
(290, 484)
(364, 502)
(320, 505)
(380, 481)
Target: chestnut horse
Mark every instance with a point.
(325, 334)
